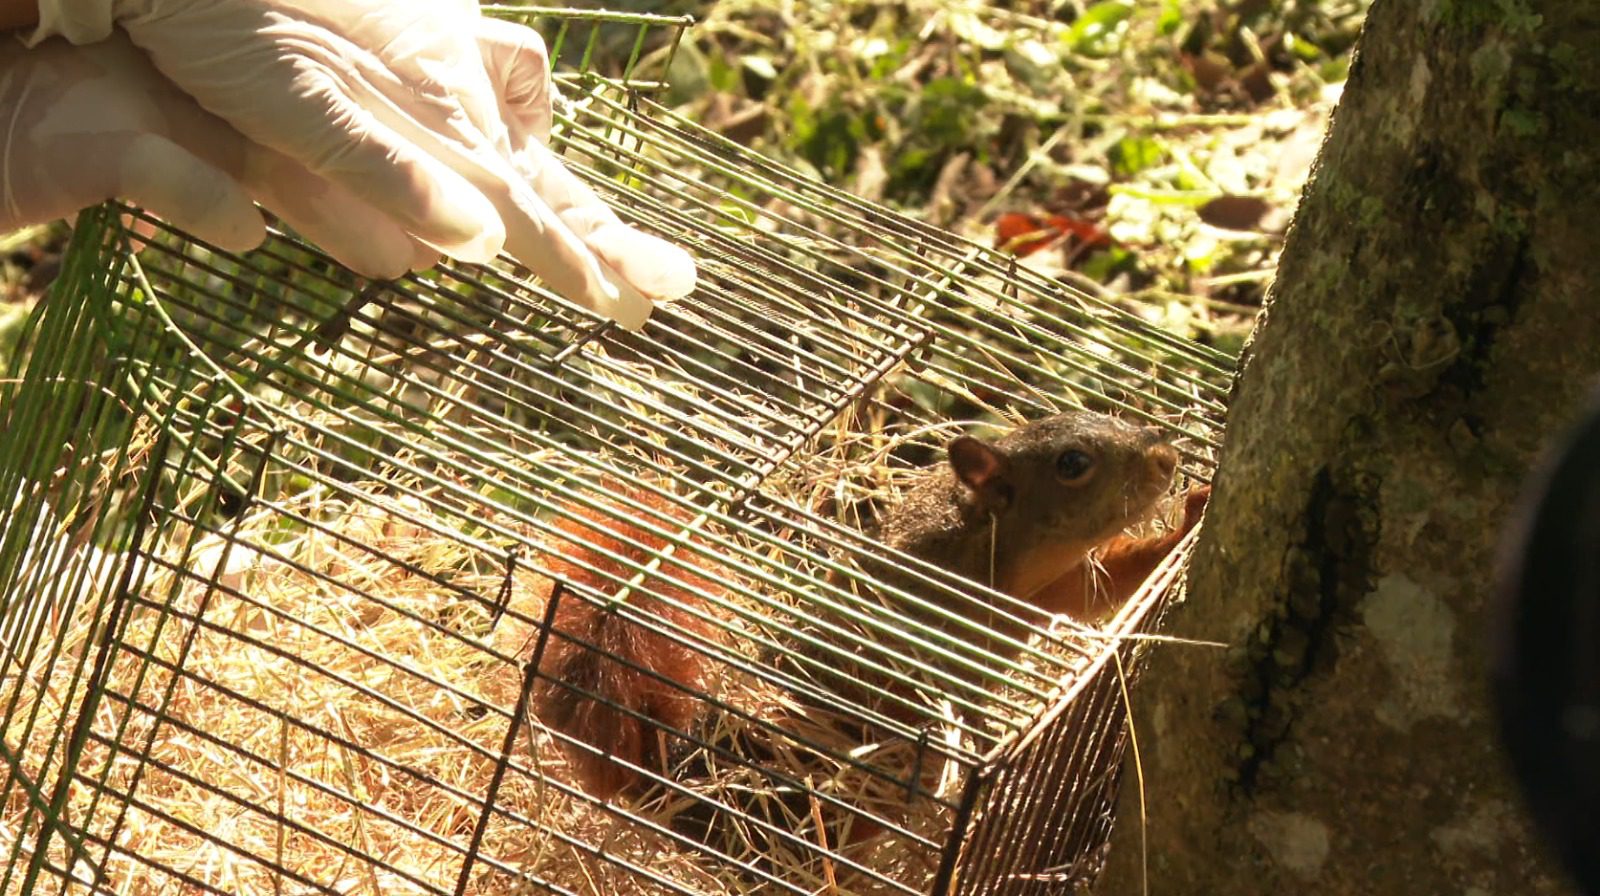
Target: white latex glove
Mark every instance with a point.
(390, 105)
(86, 124)
(519, 66)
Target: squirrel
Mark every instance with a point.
(1022, 513)
(1018, 513)
(586, 639)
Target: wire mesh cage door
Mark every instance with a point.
(1037, 814)
(443, 585)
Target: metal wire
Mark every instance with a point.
(211, 428)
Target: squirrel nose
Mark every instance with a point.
(1164, 460)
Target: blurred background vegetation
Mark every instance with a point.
(1151, 150)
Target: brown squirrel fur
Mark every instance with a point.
(1000, 512)
(1008, 514)
(585, 637)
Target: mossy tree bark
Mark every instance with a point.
(1435, 321)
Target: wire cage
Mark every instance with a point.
(310, 584)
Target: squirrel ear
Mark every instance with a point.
(982, 469)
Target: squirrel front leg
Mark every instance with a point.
(1095, 589)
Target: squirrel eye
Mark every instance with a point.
(1073, 466)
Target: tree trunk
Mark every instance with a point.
(1434, 322)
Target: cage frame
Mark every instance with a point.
(726, 508)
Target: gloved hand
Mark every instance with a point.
(379, 129)
(520, 68)
(89, 123)
(84, 124)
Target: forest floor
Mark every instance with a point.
(1148, 150)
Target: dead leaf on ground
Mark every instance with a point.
(1249, 213)
(1023, 234)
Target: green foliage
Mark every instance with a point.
(830, 137)
(1100, 27)
(1135, 153)
(941, 121)
(1522, 122)
(927, 122)
(1170, 19)
(1121, 115)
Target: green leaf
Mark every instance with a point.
(948, 114)
(828, 138)
(1131, 155)
(1168, 198)
(1303, 49)
(1171, 18)
(1034, 63)
(724, 78)
(887, 62)
(1105, 264)
(910, 163)
(1099, 25)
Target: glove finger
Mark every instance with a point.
(181, 188)
(416, 134)
(55, 181)
(359, 236)
(431, 79)
(393, 104)
(423, 257)
(534, 234)
(651, 265)
(519, 65)
(84, 125)
(539, 240)
(648, 263)
(352, 231)
(434, 203)
(101, 107)
(307, 112)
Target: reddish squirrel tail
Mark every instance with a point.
(626, 666)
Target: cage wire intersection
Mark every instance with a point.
(286, 553)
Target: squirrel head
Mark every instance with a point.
(1057, 488)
